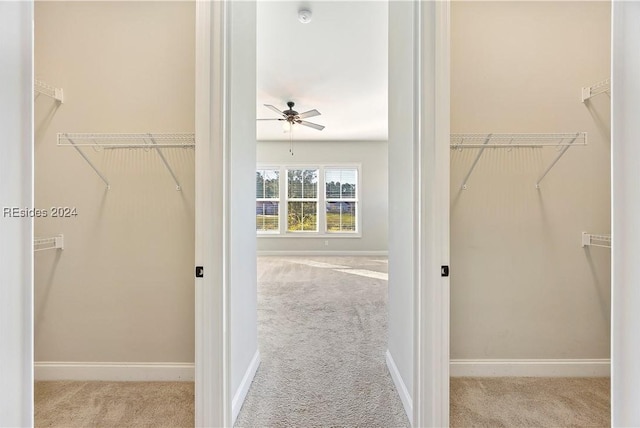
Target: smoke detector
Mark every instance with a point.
(304, 16)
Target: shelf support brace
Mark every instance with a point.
(90, 163)
(166, 164)
(475, 162)
(57, 242)
(555, 161)
(598, 88)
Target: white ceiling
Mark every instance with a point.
(336, 64)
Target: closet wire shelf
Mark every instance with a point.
(561, 141)
(52, 243)
(145, 141)
(593, 240)
(596, 89)
(40, 87)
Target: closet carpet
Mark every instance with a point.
(530, 402)
(66, 404)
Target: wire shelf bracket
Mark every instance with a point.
(562, 141)
(53, 243)
(596, 89)
(147, 141)
(592, 240)
(40, 87)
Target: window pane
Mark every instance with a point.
(267, 183)
(272, 184)
(349, 181)
(341, 183)
(302, 183)
(267, 215)
(259, 184)
(302, 216)
(294, 177)
(341, 216)
(332, 183)
(310, 184)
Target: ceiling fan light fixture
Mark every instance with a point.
(304, 16)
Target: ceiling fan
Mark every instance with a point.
(293, 117)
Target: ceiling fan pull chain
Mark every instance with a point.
(291, 140)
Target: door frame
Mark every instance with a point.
(431, 214)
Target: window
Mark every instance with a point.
(268, 200)
(341, 199)
(310, 201)
(302, 200)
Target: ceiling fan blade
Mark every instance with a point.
(310, 125)
(271, 119)
(269, 106)
(310, 113)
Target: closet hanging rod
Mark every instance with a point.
(593, 240)
(482, 141)
(127, 141)
(563, 141)
(42, 88)
(147, 141)
(596, 89)
(55, 242)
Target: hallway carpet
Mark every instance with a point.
(322, 336)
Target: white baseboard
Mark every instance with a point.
(531, 368)
(405, 395)
(243, 389)
(323, 253)
(55, 370)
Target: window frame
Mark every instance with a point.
(302, 199)
(321, 200)
(354, 200)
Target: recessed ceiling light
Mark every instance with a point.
(304, 16)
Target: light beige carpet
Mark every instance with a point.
(530, 402)
(114, 404)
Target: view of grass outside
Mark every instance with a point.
(267, 216)
(302, 216)
(341, 216)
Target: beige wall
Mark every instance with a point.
(122, 289)
(522, 286)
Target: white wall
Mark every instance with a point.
(372, 156)
(122, 290)
(625, 352)
(522, 287)
(16, 234)
(401, 190)
(243, 263)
